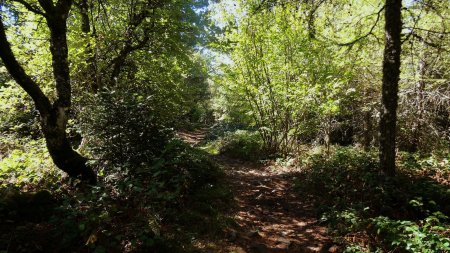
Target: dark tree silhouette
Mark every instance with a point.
(391, 76)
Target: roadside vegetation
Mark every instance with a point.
(192, 126)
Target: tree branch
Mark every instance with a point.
(30, 7)
(428, 43)
(47, 5)
(351, 43)
(135, 21)
(18, 73)
(311, 17)
(426, 30)
(64, 6)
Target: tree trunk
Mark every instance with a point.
(420, 89)
(54, 126)
(391, 76)
(54, 116)
(367, 130)
(60, 149)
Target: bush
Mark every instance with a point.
(20, 168)
(182, 170)
(125, 128)
(126, 211)
(427, 236)
(345, 176)
(352, 179)
(221, 129)
(17, 113)
(242, 144)
(408, 211)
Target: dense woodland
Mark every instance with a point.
(224, 126)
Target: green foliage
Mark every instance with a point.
(17, 113)
(284, 82)
(235, 140)
(409, 211)
(281, 82)
(147, 180)
(181, 170)
(243, 144)
(124, 128)
(222, 128)
(128, 209)
(33, 166)
(343, 177)
(428, 236)
(284, 74)
(437, 164)
(351, 179)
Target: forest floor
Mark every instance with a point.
(268, 215)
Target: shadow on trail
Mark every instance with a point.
(269, 215)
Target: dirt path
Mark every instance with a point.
(269, 215)
(193, 138)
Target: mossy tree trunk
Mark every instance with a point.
(391, 77)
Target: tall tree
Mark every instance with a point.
(391, 77)
(53, 115)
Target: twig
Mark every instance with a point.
(351, 43)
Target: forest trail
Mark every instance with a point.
(193, 138)
(269, 215)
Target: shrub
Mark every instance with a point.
(408, 211)
(20, 168)
(242, 144)
(17, 113)
(125, 128)
(182, 170)
(352, 179)
(423, 237)
(221, 129)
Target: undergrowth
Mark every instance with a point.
(160, 207)
(240, 144)
(372, 213)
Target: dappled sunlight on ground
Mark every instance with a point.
(269, 216)
(193, 138)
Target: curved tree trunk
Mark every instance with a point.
(54, 116)
(62, 152)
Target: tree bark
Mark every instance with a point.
(367, 130)
(54, 116)
(419, 89)
(391, 77)
(91, 70)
